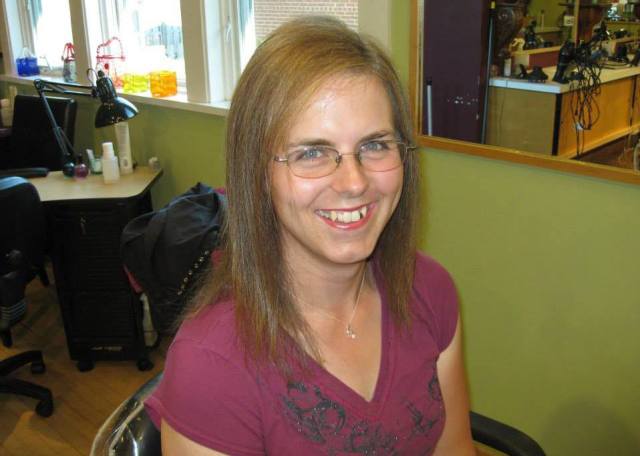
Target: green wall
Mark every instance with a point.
(546, 267)
(545, 263)
(188, 144)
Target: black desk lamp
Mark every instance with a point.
(112, 110)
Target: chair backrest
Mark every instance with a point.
(32, 142)
(23, 222)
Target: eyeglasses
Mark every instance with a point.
(319, 161)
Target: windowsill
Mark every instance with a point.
(179, 101)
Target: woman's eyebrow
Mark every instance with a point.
(310, 142)
(376, 135)
(324, 142)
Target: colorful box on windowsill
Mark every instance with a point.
(163, 83)
(135, 82)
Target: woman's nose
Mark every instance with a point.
(350, 176)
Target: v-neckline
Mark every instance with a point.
(348, 395)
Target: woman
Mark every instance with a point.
(322, 331)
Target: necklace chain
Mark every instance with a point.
(349, 332)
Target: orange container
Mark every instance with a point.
(163, 83)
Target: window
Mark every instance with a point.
(257, 18)
(206, 42)
(150, 32)
(246, 23)
(46, 27)
(269, 14)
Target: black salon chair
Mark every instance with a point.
(22, 246)
(32, 142)
(130, 432)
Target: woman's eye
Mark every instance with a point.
(309, 154)
(375, 146)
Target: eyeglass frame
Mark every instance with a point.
(338, 159)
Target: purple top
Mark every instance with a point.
(212, 397)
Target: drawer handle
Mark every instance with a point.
(83, 226)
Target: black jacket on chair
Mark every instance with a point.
(166, 250)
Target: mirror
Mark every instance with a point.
(549, 124)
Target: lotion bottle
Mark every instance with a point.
(124, 148)
(110, 170)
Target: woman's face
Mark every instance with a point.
(314, 214)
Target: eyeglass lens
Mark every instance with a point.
(319, 161)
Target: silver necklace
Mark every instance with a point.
(349, 332)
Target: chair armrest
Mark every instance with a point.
(37, 171)
(129, 430)
(502, 437)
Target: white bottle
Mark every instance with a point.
(124, 148)
(150, 334)
(507, 68)
(110, 171)
(6, 112)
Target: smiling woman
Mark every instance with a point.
(321, 330)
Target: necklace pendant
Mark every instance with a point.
(350, 333)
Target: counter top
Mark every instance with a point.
(607, 75)
(56, 187)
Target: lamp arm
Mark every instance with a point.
(66, 149)
(43, 85)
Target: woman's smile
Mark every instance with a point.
(345, 217)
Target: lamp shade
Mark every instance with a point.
(113, 108)
(114, 111)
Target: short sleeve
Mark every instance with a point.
(209, 400)
(437, 295)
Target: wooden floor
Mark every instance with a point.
(82, 400)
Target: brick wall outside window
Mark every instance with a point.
(271, 13)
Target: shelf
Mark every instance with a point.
(588, 5)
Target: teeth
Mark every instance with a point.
(345, 216)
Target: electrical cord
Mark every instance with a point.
(585, 88)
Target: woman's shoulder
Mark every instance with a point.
(435, 299)
(430, 272)
(212, 329)
(431, 278)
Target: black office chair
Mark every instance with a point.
(22, 245)
(32, 142)
(130, 432)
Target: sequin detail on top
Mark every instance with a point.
(327, 424)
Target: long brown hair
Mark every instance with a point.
(277, 84)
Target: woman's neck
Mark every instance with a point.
(332, 289)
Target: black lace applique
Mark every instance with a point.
(370, 440)
(316, 416)
(325, 422)
(434, 386)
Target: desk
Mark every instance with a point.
(537, 117)
(102, 315)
